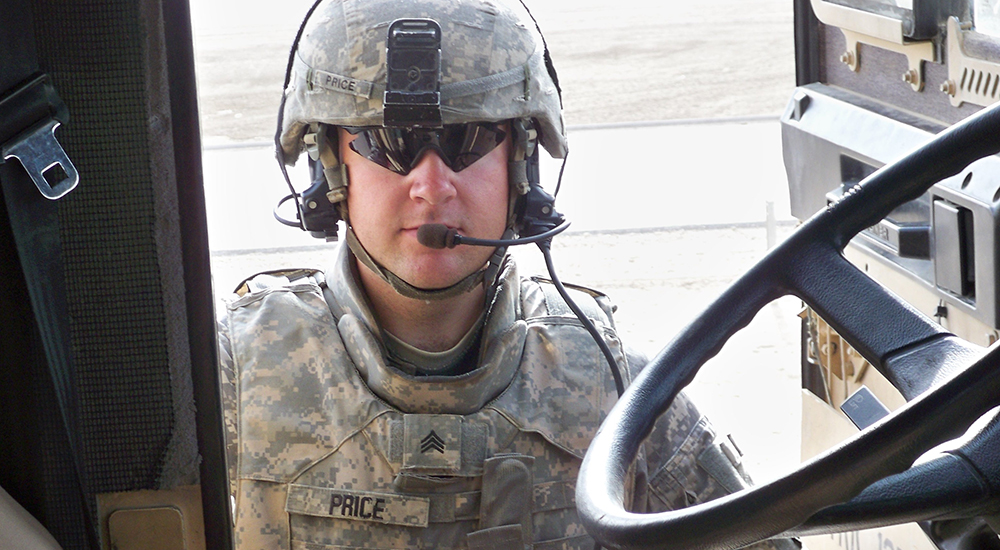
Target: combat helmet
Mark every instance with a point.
(494, 67)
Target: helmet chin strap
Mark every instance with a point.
(488, 274)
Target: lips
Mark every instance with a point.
(414, 228)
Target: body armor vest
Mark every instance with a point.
(339, 450)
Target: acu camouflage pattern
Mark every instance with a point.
(325, 439)
(338, 73)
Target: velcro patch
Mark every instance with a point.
(358, 505)
(338, 83)
(432, 442)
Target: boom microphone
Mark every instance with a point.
(436, 235)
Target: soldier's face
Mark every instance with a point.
(387, 208)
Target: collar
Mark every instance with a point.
(413, 360)
(500, 353)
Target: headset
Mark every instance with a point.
(534, 210)
(418, 104)
(412, 102)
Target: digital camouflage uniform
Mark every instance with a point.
(331, 448)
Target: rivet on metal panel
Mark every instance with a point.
(848, 58)
(948, 87)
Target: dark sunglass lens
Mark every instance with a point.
(467, 143)
(381, 147)
(459, 145)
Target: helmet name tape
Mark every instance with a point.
(338, 83)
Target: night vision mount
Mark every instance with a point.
(413, 75)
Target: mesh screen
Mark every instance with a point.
(95, 52)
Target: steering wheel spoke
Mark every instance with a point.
(886, 330)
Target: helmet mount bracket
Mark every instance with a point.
(412, 96)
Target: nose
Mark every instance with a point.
(431, 180)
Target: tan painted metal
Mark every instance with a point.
(152, 520)
(822, 428)
(844, 370)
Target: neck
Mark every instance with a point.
(430, 325)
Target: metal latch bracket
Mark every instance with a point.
(970, 79)
(876, 30)
(916, 53)
(30, 115)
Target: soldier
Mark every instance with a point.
(417, 397)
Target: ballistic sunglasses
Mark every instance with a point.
(400, 149)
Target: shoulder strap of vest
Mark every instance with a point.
(272, 279)
(598, 305)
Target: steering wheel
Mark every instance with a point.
(947, 382)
